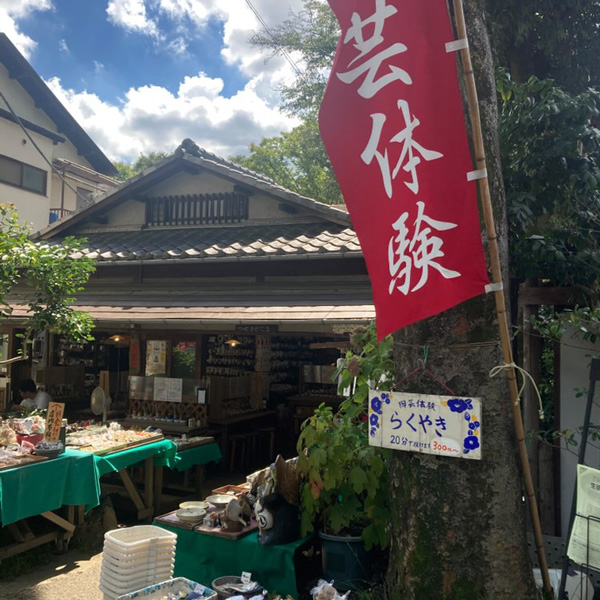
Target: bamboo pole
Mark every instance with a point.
(490, 226)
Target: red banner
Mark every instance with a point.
(392, 122)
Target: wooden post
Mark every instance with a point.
(505, 340)
(531, 363)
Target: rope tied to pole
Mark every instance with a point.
(526, 375)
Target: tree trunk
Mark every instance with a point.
(459, 531)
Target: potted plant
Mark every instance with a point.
(345, 490)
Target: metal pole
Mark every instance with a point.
(490, 226)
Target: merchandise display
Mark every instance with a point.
(28, 425)
(103, 440)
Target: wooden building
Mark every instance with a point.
(216, 275)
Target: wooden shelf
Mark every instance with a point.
(165, 426)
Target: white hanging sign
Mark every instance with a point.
(584, 543)
(442, 425)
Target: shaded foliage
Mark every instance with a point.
(346, 484)
(296, 160)
(551, 151)
(548, 39)
(126, 171)
(312, 35)
(43, 277)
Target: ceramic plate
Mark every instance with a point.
(220, 500)
(191, 515)
(194, 504)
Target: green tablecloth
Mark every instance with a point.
(33, 489)
(200, 455)
(203, 558)
(163, 452)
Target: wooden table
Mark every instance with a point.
(161, 452)
(248, 420)
(40, 490)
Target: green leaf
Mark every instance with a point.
(359, 479)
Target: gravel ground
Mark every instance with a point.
(71, 576)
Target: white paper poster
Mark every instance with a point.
(588, 505)
(175, 389)
(156, 357)
(442, 425)
(161, 389)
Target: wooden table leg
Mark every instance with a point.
(149, 481)
(144, 512)
(199, 480)
(158, 485)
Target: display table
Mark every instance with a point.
(33, 489)
(199, 455)
(185, 460)
(203, 558)
(155, 454)
(40, 489)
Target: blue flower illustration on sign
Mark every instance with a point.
(471, 442)
(376, 405)
(458, 405)
(376, 408)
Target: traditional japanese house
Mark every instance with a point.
(216, 275)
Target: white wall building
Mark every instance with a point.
(30, 116)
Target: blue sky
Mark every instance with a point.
(140, 75)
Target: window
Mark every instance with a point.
(198, 209)
(22, 175)
(183, 359)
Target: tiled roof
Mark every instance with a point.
(189, 155)
(198, 314)
(305, 239)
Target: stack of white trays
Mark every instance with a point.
(136, 557)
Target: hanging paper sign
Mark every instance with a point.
(584, 543)
(442, 425)
(156, 357)
(174, 389)
(262, 353)
(161, 389)
(54, 416)
(392, 122)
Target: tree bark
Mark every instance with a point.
(459, 530)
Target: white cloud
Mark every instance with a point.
(10, 12)
(62, 44)
(152, 118)
(178, 46)
(131, 14)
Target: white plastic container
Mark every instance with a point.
(136, 557)
(118, 566)
(139, 535)
(162, 573)
(145, 557)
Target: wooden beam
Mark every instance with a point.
(341, 345)
(54, 518)
(550, 296)
(20, 547)
(133, 493)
